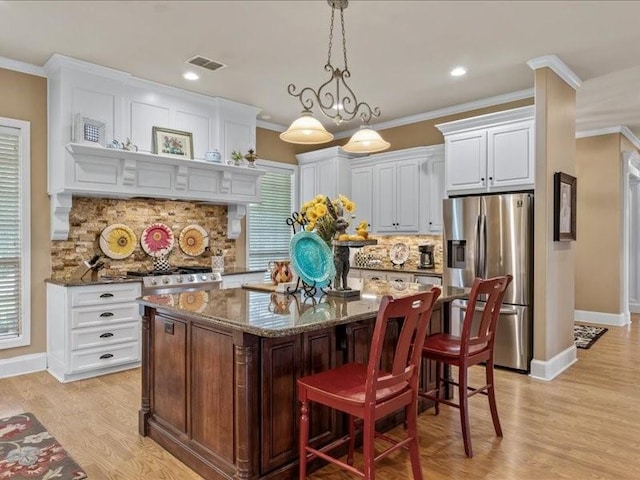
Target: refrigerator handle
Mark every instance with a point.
(476, 267)
(481, 247)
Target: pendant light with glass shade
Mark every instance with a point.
(336, 101)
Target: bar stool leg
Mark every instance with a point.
(439, 370)
(492, 398)
(304, 437)
(464, 408)
(411, 415)
(352, 439)
(368, 447)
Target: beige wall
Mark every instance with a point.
(24, 97)
(599, 224)
(554, 261)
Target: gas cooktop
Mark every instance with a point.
(172, 271)
(177, 279)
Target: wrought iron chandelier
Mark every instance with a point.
(336, 101)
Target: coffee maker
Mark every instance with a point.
(426, 256)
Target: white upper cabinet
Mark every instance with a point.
(325, 171)
(436, 192)
(490, 153)
(361, 182)
(130, 107)
(394, 191)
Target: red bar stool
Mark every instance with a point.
(365, 392)
(471, 348)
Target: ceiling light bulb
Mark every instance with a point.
(191, 76)
(458, 71)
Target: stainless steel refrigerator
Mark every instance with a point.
(488, 236)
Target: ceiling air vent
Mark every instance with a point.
(207, 63)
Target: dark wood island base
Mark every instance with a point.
(220, 394)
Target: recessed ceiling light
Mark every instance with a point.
(458, 72)
(191, 76)
(265, 117)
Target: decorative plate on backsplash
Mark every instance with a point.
(157, 240)
(118, 241)
(399, 253)
(193, 240)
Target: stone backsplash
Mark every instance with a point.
(385, 242)
(89, 216)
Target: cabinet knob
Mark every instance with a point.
(430, 223)
(482, 179)
(491, 178)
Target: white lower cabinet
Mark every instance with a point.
(92, 329)
(238, 279)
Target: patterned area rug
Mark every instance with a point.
(585, 336)
(28, 451)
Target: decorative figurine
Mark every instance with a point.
(128, 145)
(251, 157)
(115, 144)
(341, 257)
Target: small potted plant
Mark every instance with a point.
(237, 157)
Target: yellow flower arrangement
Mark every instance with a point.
(327, 218)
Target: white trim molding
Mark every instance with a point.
(22, 67)
(492, 119)
(622, 129)
(270, 126)
(550, 369)
(11, 367)
(443, 112)
(602, 318)
(559, 67)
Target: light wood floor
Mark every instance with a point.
(583, 425)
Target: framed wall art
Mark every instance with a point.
(564, 206)
(88, 130)
(173, 143)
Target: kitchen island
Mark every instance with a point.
(219, 372)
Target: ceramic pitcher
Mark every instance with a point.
(280, 271)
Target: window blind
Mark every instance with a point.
(10, 234)
(268, 233)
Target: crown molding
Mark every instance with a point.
(622, 129)
(270, 126)
(22, 67)
(559, 67)
(443, 112)
(57, 61)
(322, 154)
(489, 119)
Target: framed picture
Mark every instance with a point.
(173, 143)
(88, 130)
(564, 207)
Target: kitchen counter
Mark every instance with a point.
(277, 315)
(219, 372)
(241, 270)
(89, 281)
(408, 268)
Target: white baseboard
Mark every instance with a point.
(601, 318)
(550, 369)
(10, 367)
(634, 307)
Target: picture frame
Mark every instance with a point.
(564, 206)
(88, 131)
(172, 143)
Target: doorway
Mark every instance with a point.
(631, 234)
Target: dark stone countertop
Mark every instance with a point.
(407, 268)
(276, 315)
(240, 270)
(89, 281)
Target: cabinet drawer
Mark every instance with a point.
(107, 335)
(104, 315)
(105, 356)
(104, 294)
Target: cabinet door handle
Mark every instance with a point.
(106, 314)
(106, 335)
(106, 355)
(106, 295)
